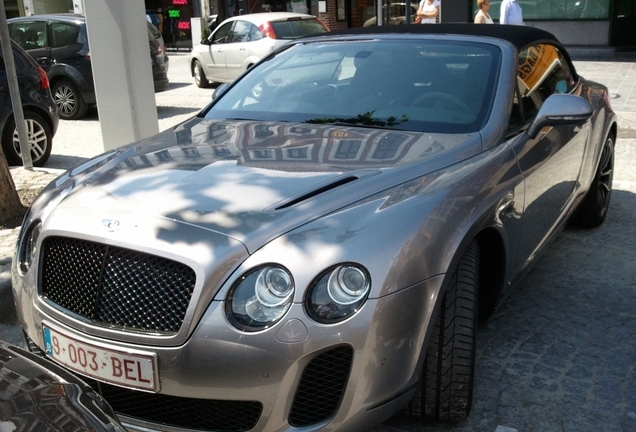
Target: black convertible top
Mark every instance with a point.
(520, 36)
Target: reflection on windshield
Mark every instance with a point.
(416, 85)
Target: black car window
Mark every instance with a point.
(63, 34)
(240, 32)
(542, 71)
(29, 34)
(295, 28)
(222, 33)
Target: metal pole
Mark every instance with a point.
(407, 11)
(14, 90)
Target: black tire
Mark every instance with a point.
(69, 100)
(593, 209)
(39, 136)
(199, 75)
(445, 390)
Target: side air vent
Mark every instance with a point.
(318, 191)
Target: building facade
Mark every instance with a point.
(579, 23)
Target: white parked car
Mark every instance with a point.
(241, 41)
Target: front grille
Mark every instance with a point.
(321, 387)
(116, 286)
(178, 412)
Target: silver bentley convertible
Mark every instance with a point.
(314, 249)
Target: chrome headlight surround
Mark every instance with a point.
(338, 293)
(260, 298)
(27, 250)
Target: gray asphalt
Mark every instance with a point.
(559, 353)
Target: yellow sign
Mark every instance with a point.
(536, 64)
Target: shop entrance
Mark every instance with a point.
(623, 22)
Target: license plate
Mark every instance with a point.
(125, 368)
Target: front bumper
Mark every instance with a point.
(297, 374)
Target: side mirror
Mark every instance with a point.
(219, 90)
(206, 41)
(561, 109)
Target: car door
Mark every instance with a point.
(237, 50)
(551, 162)
(32, 36)
(215, 62)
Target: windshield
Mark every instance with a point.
(414, 85)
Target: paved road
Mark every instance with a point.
(559, 354)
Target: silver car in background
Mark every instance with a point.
(315, 255)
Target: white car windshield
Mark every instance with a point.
(416, 85)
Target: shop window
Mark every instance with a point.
(556, 9)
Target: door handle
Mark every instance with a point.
(620, 16)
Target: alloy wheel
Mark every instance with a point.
(66, 100)
(38, 140)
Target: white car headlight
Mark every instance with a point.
(260, 298)
(28, 250)
(338, 293)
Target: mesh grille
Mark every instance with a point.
(321, 387)
(116, 286)
(201, 414)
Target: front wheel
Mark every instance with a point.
(593, 209)
(199, 75)
(445, 390)
(39, 137)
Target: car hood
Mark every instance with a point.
(253, 181)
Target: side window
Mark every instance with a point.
(255, 33)
(29, 35)
(241, 32)
(222, 33)
(542, 71)
(63, 34)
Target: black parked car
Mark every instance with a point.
(40, 111)
(38, 395)
(59, 43)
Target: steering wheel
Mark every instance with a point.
(445, 99)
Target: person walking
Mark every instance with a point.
(428, 11)
(482, 16)
(511, 13)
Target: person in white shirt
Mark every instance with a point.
(511, 13)
(428, 11)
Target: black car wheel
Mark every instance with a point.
(68, 100)
(445, 389)
(199, 76)
(39, 136)
(593, 209)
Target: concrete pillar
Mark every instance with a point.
(120, 56)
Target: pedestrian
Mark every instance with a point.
(482, 16)
(428, 11)
(511, 13)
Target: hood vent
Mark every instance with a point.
(318, 191)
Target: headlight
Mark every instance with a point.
(28, 249)
(338, 293)
(260, 298)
